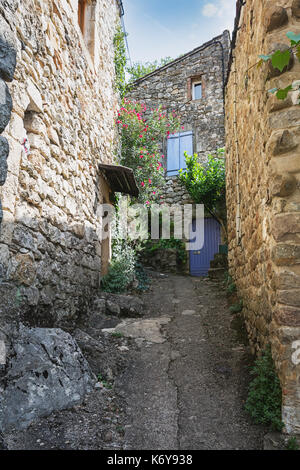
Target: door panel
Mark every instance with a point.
(200, 259)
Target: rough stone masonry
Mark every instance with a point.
(58, 121)
(263, 190)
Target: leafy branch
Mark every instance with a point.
(280, 60)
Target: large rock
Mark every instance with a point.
(46, 371)
(4, 151)
(5, 105)
(8, 53)
(124, 305)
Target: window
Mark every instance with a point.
(81, 14)
(195, 88)
(86, 21)
(197, 91)
(177, 145)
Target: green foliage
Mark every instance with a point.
(121, 272)
(103, 381)
(142, 131)
(206, 184)
(265, 395)
(150, 247)
(142, 277)
(292, 444)
(120, 60)
(237, 307)
(139, 69)
(117, 334)
(280, 60)
(229, 284)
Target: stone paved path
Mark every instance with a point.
(185, 387)
(182, 385)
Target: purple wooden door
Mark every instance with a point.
(200, 260)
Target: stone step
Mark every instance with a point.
(216, 273)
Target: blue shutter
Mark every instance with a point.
(173, 156)
(186, 145)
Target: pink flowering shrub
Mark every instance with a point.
(142, 131)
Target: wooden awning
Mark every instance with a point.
(120, 179)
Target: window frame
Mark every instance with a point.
(194, 83)
(179, 135)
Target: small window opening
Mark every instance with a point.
(81, 14)
(197, 91)
(87, 24)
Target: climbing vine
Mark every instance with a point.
(120, 60)
(280, 60)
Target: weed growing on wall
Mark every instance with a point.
(265, 395)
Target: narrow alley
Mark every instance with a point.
(181, 385)
(186, 388)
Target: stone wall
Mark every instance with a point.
(61, 128)
(170, 86)
(263, 191)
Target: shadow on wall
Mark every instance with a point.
(48, 276)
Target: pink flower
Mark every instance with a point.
(142, 184)
(150, 181)
(182, 128)
(154, 192)
(141, 136)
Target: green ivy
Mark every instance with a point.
(120, 60)
(265, 395)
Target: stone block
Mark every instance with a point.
(4, 150)
(8, 52)
(296, 9)
(36, 102)
(281, 142)
(285, 224)
(46, 372)
(276, 17)
(5, 105)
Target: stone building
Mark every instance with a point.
(58, 119)
(263, 192)
(193, 86)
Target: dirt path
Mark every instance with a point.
(181, 384)
(187, 391)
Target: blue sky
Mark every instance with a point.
(160, 28)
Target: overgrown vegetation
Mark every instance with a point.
(121, 272)
(292, 444)
(151, 247)
(140, 69)
(206, 184)
(237, 307)
(265, 395)
(142, 130)
(120, 61)
(229, 284)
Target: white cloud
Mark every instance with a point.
(209, 10)
(223, 10)
(220, 8)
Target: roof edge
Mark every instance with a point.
(239, 8)
(179, 59)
